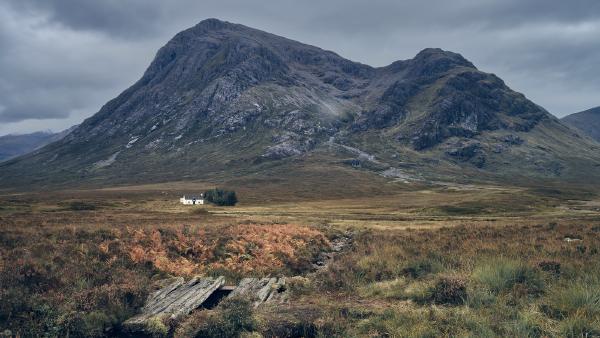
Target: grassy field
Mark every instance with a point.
(426, 260)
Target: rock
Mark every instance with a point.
(464, 151)
(512, 139)
(288, 144)
(471, 152)
(399, 174)
(355, 163)
(499, 148)
(337, 245)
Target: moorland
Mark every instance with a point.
(424, 259)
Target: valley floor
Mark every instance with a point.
(425, 260)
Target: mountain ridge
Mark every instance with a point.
(588, 121)
(226, 100)
(14, 145)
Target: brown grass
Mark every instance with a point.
(84, 272)
(417, 250)
(473, 281)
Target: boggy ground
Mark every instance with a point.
(426, 260)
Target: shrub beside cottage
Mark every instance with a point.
(215, 196)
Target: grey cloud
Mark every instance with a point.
(131, 18)
(143, 17)
(52, 72)
(510, 12)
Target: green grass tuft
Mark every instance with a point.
(580, 326)
(502, 274)
(526, 325)
(579, 298)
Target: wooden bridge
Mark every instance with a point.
(180, 298)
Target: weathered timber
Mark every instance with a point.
(259, 290)
(278, 293)
(175, 300)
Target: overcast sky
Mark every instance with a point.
(61, 60)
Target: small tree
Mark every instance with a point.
(221, 197)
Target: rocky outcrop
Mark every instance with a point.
(338, 244)
(469, 151)
(471, 102)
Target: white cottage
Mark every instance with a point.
(192, 200)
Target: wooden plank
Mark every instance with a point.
(161, 298)
(258, 290)
(196, 297)
(278, 294)
(175, 300)
(179, 298)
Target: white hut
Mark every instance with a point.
(192, 200)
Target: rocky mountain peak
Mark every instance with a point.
(222, 98)
(435, 61)
(213, 24)
(438, 55)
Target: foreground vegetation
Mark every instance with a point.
(62, 281)
(519, 281)
(81, 266)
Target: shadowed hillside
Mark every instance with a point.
(587, 121)
(15, 145)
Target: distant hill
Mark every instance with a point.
(16, 145)
(587, 121)
(225, 101)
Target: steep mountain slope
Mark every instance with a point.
(15, 145)
(222, 100)
(587, 121)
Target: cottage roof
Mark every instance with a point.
(193, 197)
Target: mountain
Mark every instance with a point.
(15, 145)
(587, 121)
(225, 101)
